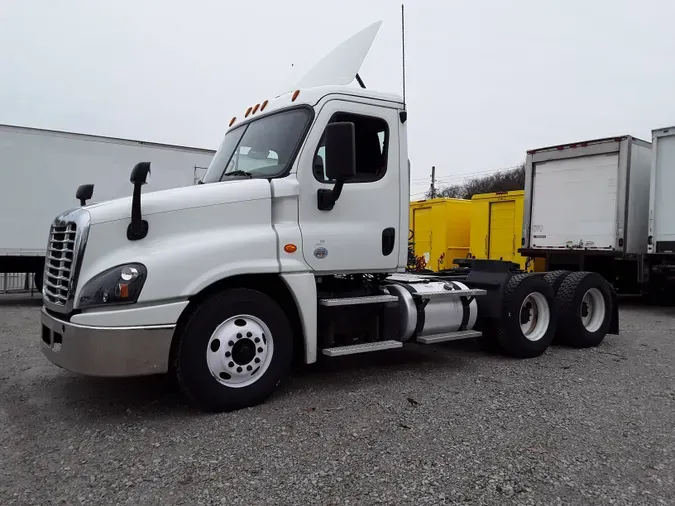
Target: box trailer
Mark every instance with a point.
(586, 207)
(496, 228)
(439, 231)
(659, 268)
(40, 171)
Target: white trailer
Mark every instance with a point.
(586, 207)
(40, 171)
(660, 261)
(303, 254)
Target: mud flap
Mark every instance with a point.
(614, 323)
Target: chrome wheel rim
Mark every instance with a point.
(240, 351)
(535, 316)
(592, 310)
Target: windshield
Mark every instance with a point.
(262, 148)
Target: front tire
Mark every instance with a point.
(529, 316)
(234, 351)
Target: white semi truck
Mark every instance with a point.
(53, 164)
(295, 245)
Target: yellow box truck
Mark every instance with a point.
(496, 227)
(439, 231)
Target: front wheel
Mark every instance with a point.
(234, 350)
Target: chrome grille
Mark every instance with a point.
(59, 263)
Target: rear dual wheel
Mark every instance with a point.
(574, 307)
(529, 316)
(585, 309)
(527, 321)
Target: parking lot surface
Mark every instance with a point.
(430, 425)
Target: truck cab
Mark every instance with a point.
(295, 245)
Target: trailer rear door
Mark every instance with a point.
(574, 202)
(663, 203)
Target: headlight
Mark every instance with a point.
(119, 285)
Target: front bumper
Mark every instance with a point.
(106, 351)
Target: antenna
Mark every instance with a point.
(403, 48)
(432, 189)
(360, 81)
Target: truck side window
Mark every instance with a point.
(372, 136)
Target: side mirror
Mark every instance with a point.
(340, 154)
(138, 228)
(340, 157)
(139, 174)
(84, 192)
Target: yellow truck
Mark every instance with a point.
(439, 232)
(497, 228)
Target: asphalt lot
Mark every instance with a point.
(436, 425)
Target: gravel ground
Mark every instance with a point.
(434, 425)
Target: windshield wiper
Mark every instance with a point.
(239, 173)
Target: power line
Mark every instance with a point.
(467, 175)
(470, 174)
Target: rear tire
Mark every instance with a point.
(234, 351)
(529, 316)
(585, 309)
(555, 279)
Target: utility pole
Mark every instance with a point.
(432, 190)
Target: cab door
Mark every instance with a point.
(360, 233)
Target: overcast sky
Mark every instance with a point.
(486, 80)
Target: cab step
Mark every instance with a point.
(353, 301)
(353, 349)
(449, 336)
(472, 292)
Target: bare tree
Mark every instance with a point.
(500, 181)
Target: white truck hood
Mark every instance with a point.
(189, 197)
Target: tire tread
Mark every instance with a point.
(555, 278)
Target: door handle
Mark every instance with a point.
(388, 240)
